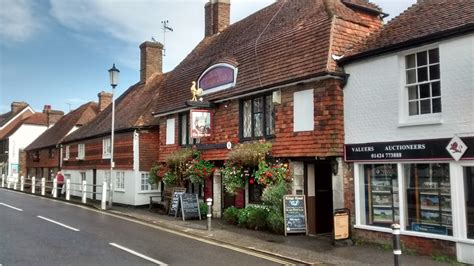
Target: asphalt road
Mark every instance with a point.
(39, 231)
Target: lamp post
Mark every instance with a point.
(113, 76)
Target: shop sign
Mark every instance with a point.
(456, 148)
(429, 228)
(218, 77)
(200, 123)
(341, 224)
(430, 149)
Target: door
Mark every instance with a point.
(318, 184)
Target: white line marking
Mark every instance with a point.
(138, 254)
(11, 207)
(58, 223)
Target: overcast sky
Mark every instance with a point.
(58, 52)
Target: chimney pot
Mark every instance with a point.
(105, 98)
(46, 108)
(151, 59)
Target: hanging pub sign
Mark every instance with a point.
(200, 122)
(427, 149)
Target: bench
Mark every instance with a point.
(155, 200)
(164, 199)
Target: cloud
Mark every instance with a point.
(18, 20)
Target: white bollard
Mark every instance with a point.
(3, 180)
(104, 195)
(15, 182)
(9, 179)
(84, 191)
(43, 186)
(55, 188)
(33, 185)
(22, 183)
(68, 189)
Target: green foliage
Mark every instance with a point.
(272, 195)
(233, 176)
(250, 153)
(231, 215)
(203, 209)
(256, 218)
(157, 172)
(275, 222)
(170, 178)
(271, 173)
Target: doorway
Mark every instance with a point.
(94, 183)
(318, 177)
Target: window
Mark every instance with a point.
(106, 148)
(145, 184)
(428, 197)
(120, 181)
(36, 156)
(83, 176)
(303, 111)
(197, 189)
(422, 83)
(51, 153)
(81, 151)
(379, 188)
(257, 117)
(170, 131)
(469, 198)
(66, 153)
(184, 136)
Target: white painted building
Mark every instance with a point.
(409, 131)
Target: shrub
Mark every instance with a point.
(231, 215)
(273, 195)
(256, 218)
(170, 178)
(275, 222)
(203, 209)
(243, 217)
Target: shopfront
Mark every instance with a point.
(426, 186)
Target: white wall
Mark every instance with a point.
(372, 96)
(22, 137)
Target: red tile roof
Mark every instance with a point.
(37, 119)
(285, 42)
(132, 110)
(423, 22)
(59, 131)
(5, 117)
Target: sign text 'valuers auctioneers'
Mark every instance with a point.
(405, 150)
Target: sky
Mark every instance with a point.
(58, 52)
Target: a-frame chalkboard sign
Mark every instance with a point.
(174, 203)
(294, 210)
(189, 205)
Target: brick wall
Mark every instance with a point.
(123, 154)
(44, 159)
(149, 141)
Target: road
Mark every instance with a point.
(40, 231)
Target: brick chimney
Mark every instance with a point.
(217, 16)
(151, 59)
(105, 98)
(52, 116)
(18, 106)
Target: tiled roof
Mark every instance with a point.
(284, 42)
(55, 134)
(421, 23)
(37, 119)
(5, 117)
(131, 111)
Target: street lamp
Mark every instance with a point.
(113, 76)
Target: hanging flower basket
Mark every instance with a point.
(272, 173)
(250, 153)
(157, 172)
(233, 176)
(198, 170)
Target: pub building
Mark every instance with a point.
(409, 130)
(270, 76)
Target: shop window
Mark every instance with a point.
(469, 196)
(428, 197)
(380, 189)
(257, 117)
(422, 82)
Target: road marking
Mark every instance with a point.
(11, 207)
(138, 254)
(58, 223)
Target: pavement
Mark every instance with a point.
(303, 249)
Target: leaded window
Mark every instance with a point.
(257, 117)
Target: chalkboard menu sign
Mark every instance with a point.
(175, 203)
(295, 214)
(189, 205)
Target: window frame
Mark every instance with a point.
(66, 152)
(405, 119)
(81, 151)
(252, 120)
(106, 148)
(189, 141)
(119, 181)
(150, 187)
